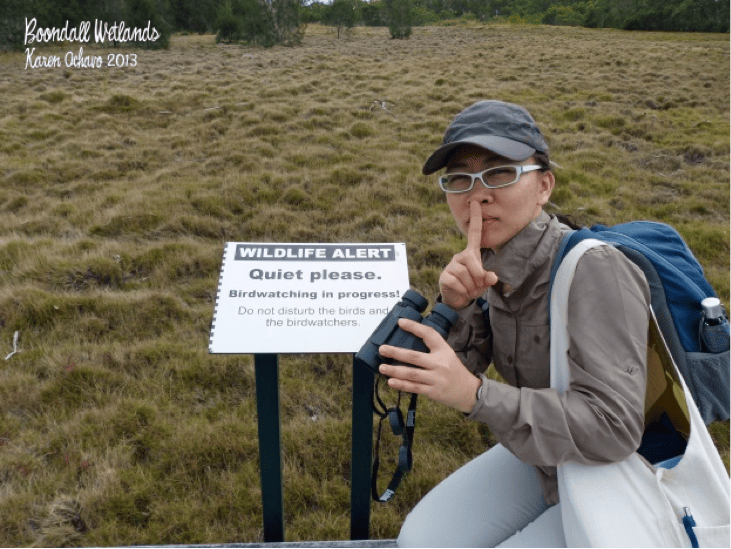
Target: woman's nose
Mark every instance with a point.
(481, 193)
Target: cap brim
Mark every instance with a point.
(501, 146)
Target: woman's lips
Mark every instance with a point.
(485, 221)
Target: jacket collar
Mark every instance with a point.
(524, 253)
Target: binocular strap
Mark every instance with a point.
(398, 427)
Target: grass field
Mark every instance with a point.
(119, 187)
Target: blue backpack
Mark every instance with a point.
(677, 287)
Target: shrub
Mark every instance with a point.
(341, 14)
(227, 24)
(422, 16)
(400, 17)
(562, 15)
(371, 13)
(140, 12)
(261, 22)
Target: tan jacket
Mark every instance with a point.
(600, 419)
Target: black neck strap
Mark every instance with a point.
(398, 427)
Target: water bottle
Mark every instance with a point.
(714, 326)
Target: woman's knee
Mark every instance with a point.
(480, 504)
(410, 534)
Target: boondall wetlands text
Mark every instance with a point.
(103, 32)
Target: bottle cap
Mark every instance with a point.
(712, 307)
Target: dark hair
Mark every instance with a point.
(569, 221)
(545, 164)
(543, 161)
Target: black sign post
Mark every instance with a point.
(270, 449)
(270, 445)
(362, 452)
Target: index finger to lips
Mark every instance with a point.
(474, 231)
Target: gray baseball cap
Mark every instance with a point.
(503, 128)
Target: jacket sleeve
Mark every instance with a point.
(471, 339)
(600, 418)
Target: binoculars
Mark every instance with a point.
(411, 306)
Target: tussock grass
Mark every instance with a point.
(119, 187)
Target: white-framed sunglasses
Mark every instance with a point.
(492, 178)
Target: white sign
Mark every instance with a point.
(305, 298)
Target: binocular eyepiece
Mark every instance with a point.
(411, 306)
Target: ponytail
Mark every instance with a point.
(569, 221)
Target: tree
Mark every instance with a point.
(261, 22)
(371, 13)
(700, 15)
(228, 24)
(109, 10)
(342, 15)
(288, 25)
(481, 9)
(195, 15)
(157, 13)
(12, 22)
(597, 15)
(400, 17)
(563, 15)
(315, 12)
(257, 23)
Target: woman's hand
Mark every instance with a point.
(465, 279)
(440, 374)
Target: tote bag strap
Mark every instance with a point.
(559, 313)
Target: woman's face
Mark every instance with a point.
(505, 211)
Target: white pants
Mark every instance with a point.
(495, 500)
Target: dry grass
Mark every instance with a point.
(120, 186)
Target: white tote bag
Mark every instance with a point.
(631, 503)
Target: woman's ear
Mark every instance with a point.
(546, 184)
